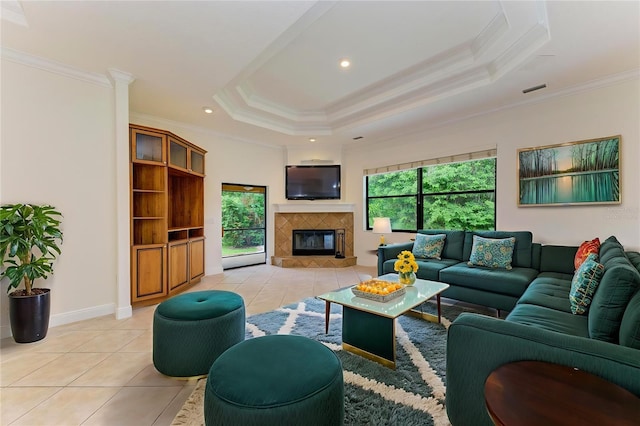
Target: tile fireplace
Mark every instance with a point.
(321, 228)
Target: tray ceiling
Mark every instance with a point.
(270, 69)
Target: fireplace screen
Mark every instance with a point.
(310, 242)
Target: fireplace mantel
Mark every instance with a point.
(313, 207)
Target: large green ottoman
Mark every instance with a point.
(275, 380)
(191, 330)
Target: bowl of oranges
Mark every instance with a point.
(378, 290)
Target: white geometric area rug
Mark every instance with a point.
(412, 394)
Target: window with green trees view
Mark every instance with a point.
(444, 196)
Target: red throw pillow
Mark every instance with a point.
(585, 248)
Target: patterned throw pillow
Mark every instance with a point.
(584, 284)
(492, 252)
(428, 246)
(585, 248)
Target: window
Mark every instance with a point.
(458, 195)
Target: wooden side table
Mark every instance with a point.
(540, 393)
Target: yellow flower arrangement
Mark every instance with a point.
(406, 263)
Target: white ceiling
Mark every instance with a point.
(270, 68)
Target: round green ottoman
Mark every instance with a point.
(275, 380)
(191, 330)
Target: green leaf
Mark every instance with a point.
(29, 238)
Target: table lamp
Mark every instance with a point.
(381, 225)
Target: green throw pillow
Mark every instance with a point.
(492, 252)
(584, 284)
(429, 246)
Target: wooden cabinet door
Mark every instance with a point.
(178, 264)
(148, 272)
(178, 155)
(148, 147)
(196, 162)
(196, 258)
(185, 157)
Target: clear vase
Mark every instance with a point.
(407, 278)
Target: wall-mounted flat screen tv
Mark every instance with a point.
(312, 182)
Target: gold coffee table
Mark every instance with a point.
(368, 327)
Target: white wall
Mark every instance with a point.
(306, 154)
(612, 110)
(57, 148)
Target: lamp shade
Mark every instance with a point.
(381, 225)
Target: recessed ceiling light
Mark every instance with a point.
(312, 139)
(345, 63)
(208, 110)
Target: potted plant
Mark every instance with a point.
(29, 238)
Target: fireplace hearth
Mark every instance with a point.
(313, 242)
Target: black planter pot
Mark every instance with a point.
(29, 316)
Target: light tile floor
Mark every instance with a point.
(100, 371)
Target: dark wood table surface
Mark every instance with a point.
(539, 393)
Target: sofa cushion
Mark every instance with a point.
(634, 258)
(453, 244)
(511, 282)
(428, 269)
(618, 284)
(387, 267)
(536, 248)
(584, 250)
(521, 251)
(584, 284)
(558, 259)
(492, 252)
(558, 276)
(428, 246)
(630, 324)
(611, 249)
(550, 319)
(548, 292)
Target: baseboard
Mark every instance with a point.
(82, 314)
(5, 331)
(122, 313)
(69, 317)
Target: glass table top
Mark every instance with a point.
(419, 292)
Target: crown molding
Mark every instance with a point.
(228, 101)
(633, 74)
(490, 35)
(11, 11)
(293, 32)
(164, 122)
(54, 67)
(522, 49)
(248, 96)
(121, 76)
(451, 72)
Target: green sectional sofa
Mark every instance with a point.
(605, 341)
(495, 288)
(540, 326)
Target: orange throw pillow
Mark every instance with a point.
(585, 248)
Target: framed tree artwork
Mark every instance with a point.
(574, 173)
